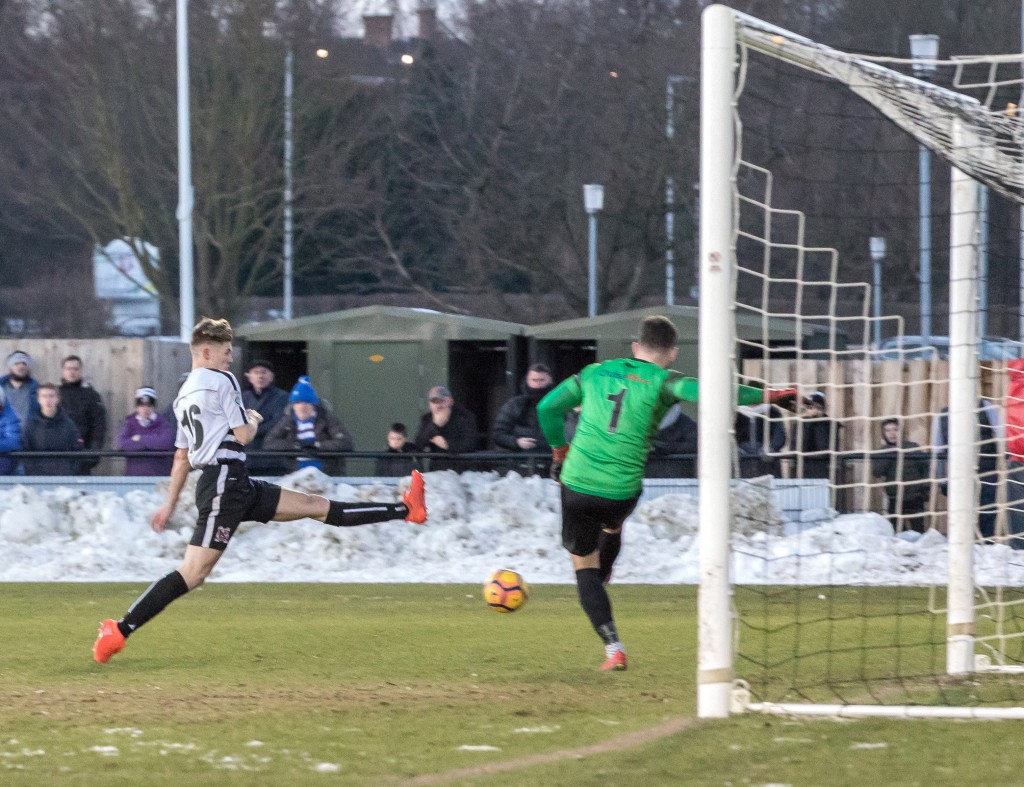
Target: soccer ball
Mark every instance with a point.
(505, 590)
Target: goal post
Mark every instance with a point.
(788, 288)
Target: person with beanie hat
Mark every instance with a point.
(310, 425)
(144, 431)
(19, 386)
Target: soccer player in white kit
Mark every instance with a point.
(213, 430)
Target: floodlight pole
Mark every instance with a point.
(186, 195)
(876, 245)
(593, 202)
(924, 50)
(289, 84)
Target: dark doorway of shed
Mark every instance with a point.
(566, 357)
(289, 359)
(478, 373)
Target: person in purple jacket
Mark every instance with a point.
(10, 436)
(146, 430)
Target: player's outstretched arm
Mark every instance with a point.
(552, 408)
(179, 474)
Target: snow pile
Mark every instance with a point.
(479, 522)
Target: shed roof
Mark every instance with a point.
(381, 323)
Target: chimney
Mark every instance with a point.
(428, 22)
(378, 30)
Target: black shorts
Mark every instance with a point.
(226, 497)
(585, 516)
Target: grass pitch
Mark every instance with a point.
(276, 684)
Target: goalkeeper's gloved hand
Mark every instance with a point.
(557, 460)
(783, 397)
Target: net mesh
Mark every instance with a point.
(839, 578)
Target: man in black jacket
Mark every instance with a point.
(83, 404)
(516, 427)
(269, 401)
(50, 430)
(815, 436)
(446, 428)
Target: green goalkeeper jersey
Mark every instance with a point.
(623, 401)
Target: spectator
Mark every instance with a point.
(516, 427)
(269, 401)
(396, 463)
(760, 434)
(447, 428)
(989, 437)
(10, 436)
(50, 429)
(815, 437)
(84, 406)
(906, 471)
(677, 434)
(309, 425)
(146, 430)
(20, 387)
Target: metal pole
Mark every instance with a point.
(670, 193)
(186, 197)
(982, 260)
(289, 61)
(592, 265)
(925, 247)
(876, 286)
(716, 360)
(963, 399)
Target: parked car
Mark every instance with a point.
(913, 348)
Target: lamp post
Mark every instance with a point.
(924, 49)
(670, 195)
(289, 86)
(877, 247)
(593, 202)
(186, 196)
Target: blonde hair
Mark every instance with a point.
(211, 331)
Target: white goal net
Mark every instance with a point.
(895, 588)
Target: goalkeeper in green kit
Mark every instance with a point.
(601, 478)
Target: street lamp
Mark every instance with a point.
(877, 247)
(593, 203)
(924, 49)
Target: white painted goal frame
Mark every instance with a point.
(719, 160)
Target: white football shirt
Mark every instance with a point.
(208, 407)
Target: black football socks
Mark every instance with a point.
(352, 514)
(595, 602)
(152, 602)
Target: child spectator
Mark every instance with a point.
(146, 430)
(395, 463)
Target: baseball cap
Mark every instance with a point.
(439, 392)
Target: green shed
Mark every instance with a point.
(375, 364)
(569, 345)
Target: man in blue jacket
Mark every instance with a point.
(10, 436)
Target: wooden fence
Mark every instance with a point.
(115, 367)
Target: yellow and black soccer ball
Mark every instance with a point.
(505, 590)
